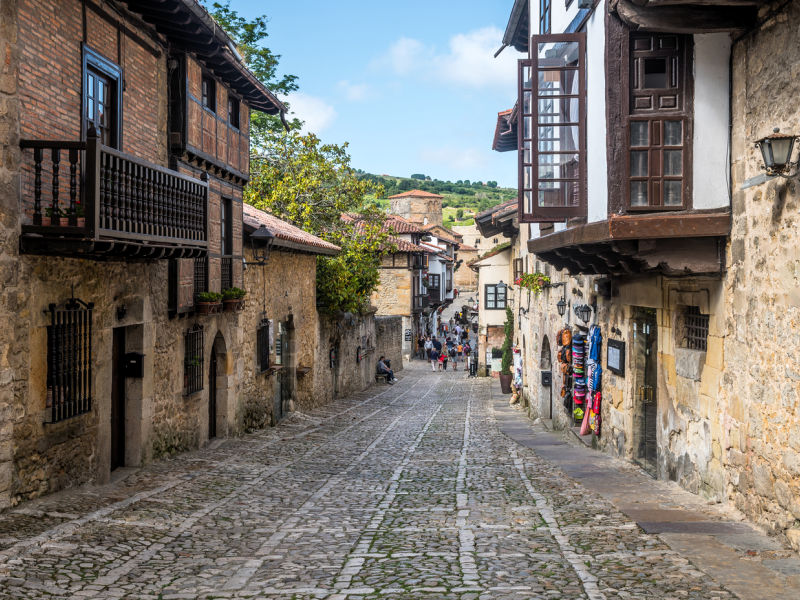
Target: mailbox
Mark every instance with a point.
(134, 364)
(547, 378)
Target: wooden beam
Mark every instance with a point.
(719, 3)
(674, 225)
(685, 18)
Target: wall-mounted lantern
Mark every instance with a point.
(776, 152)
(261, 241)
(584, 312)
(561, 306)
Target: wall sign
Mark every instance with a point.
(615, 356)
(408, 335)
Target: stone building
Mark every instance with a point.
(465, 280)
(126, 149)
(681, 256)
(418, 206)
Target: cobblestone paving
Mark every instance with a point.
(405, 491)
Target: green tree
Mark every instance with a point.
(459, 214)
(248, 35)
(311, 185)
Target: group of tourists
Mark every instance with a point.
(440, 354)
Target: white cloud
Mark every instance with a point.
(315, 112)
(469, 60)
(355, 91)
(457, 158)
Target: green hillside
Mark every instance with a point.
(462, 199)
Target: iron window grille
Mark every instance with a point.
(695, 329)
(263, 338)
(495, 297)
(227, 272)
(193, 360)
(200, 275)
(552, 132)
(69, 360)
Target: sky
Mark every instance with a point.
(411, 85)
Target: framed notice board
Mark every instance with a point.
(615, 356)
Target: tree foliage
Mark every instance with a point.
(311, 184)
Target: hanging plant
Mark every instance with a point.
(533, 282)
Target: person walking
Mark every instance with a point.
(443, 360)
(454, 356)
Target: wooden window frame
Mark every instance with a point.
(208, 98)
(518, 268)
(683, 112)
(496, 306)
(551, 214)
(546, 16)
(93, 60)
(234, 112)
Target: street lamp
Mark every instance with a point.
(776, 151)
(261, 241)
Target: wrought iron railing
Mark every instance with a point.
(69, 360)
(200, 275)
(108, 194)
(193, 360)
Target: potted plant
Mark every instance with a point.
(233, 299)
(60, 218)
(533, 282)
(207, 301)
(505, 365)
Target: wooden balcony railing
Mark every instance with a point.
(110, 202)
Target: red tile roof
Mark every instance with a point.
(439, 251)
(401, 225)
(286, 235)
(405, 245)
(416, 194)
(467, 248)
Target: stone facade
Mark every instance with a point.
(421, 207)
(465, 280)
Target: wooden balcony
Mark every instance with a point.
(88, 200)
(420, 301)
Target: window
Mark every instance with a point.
(279, 345)
(694, 329)
(434, 281)
(200, 275)
(263, 343)
(495, 297)
(209, 93)
(518, 268)
(101, 101)
(233, 112)
(544, 16)
(552, 136)
(658, 125)
(69, 360)
(193, 360)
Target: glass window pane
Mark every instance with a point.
(558, 166)
(655, 73)
(527, 123)
(558, 110)
(639, 163)
(673, 133)
(558, 54)
(558, 194)
(672, 192)
(527, 105)
(558, 139)
(638, 193)
(640, 133)
(527, 178)
(526, 153)
(673, 162)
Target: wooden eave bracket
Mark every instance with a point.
(687, 16)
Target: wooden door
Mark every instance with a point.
(118, 399)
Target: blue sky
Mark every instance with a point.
(411, 85)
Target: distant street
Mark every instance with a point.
(405, 491)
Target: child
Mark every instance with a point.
(443, 360)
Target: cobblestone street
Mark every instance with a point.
(404, 491)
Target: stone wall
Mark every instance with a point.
(418, 209)
(12, 358)
(761, 377)
(465, 280)
(389, 340)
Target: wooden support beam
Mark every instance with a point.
(685, 18)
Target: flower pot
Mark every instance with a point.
(505, 383)
(62, 222)
(233, 305)
(205, 308)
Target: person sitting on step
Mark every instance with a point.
(383, 369)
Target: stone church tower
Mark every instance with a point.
(418, 206)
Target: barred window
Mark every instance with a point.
(200, 275)
(193, 360)
(694, 330)
(69, 360)
(263, 339)
(279, 345)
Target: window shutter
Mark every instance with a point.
(552, 132)
(181, 285)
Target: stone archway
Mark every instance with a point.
(546, 392)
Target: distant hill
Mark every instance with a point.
(468, 197)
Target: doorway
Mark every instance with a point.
(546, 367)
(645, 357)
(212, 395)
(118, 399)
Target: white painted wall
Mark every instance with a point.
(596, 130)
(711, 121)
